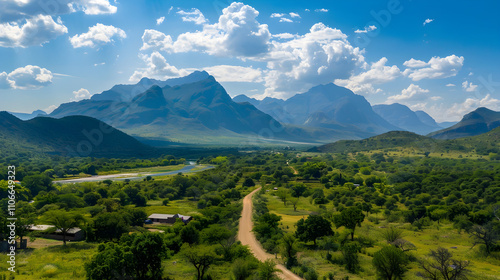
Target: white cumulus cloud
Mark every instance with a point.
(379, 73)
(81, 94)
(97, 35)
(294, 63)
(294, 15)
(37, 30)
(28, 77)
(157, 67)
(435, 68)
(153, 39)
(96, 7)
(237, 33)
(230, 73)
(412, 93)
(321, 10)
(16, 10)
(458, 110)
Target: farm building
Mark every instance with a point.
(169, 218)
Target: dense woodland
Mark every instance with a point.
(325, 216)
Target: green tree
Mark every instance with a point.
(149, 250)
(215, 234)
(110, 225)
(63, 221)
(267, 270)
(312, 228)
(350, 252)
(91, 198)
(390, 263)
(37, 183)
(190, 234)
(349, 218)
(201, 257)
(289, 250)
(294, 201)
(248, 182)
(283, 194)
(111, 262)
(136, 256)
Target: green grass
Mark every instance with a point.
(184, 207)
(55, 262)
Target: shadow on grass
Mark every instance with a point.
(71, 247)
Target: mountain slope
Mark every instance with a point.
(427, 119)
(480, 121)
(72, 136)
(333, 106)
(401, 116)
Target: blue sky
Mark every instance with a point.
(436, 56)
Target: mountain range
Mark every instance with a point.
(198, 106)
(196, 109)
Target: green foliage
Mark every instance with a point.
(313, 228)
(390, 263)
(136, 256)
(267, 270)
(110, 226)
(201, 257)
(349, 218)
(350, 252)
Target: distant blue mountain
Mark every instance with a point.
(403, 117)
(28, 116)
(325, 106)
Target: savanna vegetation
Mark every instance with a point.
(379, 214)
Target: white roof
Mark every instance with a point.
(46, 227)
(168, 216)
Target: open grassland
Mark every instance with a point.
(54, 262)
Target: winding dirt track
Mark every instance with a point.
(247, 237)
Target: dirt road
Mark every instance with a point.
(247, 237)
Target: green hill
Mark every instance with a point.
(392, 139)
(483, 144)
(69, 136)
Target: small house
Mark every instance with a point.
(168, 218)
(74, 234)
